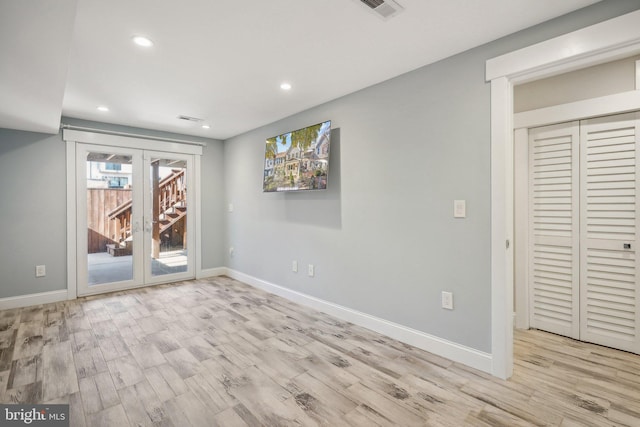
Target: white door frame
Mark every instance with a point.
(73, 137)
(522, 122)
(603, 42)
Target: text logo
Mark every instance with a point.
(34, 415)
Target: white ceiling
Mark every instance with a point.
(223, 61)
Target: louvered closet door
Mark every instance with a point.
(554, 229)
(609, 232)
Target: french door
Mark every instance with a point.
(134, 217)
(584, 178)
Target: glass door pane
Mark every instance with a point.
(167, 210)
(110, 221)
(133, 219)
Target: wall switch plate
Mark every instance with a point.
(230, 207)
(41, 270)
(311, 270)
(447, 300)
(459, 208)
(231, 251)
(294, 266)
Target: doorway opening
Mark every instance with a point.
(135, 205)
(111, 223)
(606, 41)
(576, 227)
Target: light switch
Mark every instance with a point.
(447, 300)
(459, 208)
(41, 270)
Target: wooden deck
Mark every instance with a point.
(218, 352)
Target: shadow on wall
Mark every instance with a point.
(19, 140)
(322, 208)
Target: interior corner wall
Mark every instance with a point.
(212, 189)
(383, 238)
(33, 210)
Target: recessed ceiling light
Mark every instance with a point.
(206, 127)
(142, 41)
(103, 108)
(285, 86)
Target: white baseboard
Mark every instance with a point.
(450, 350)
(453, 351)
(211, 272)
(33, 299)
(67, 294)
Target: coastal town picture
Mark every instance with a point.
(298, 160)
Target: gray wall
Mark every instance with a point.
(33, 220)
(33, 213)
(383, 238)
(212, 190)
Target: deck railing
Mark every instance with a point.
(172, 193)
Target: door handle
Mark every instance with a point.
(626, 245)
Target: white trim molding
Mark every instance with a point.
(211, 272)
(595, 107)
(66, 294)
(197, 217)
(521, 227)
(606, 41)
(501, 229)
(602, 42)
(33, 299)
(72, 283)
(456, 352)
(127, 134)
(141, 143)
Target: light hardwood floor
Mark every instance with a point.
(217, 352)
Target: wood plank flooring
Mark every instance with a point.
(217, 352)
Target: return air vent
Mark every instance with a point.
(384, 8)
(190, 119)
(372, 3)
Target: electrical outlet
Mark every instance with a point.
(294, 266)
(311, 270)
(41, 270)
(447, 300)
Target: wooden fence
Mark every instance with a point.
(101, 230)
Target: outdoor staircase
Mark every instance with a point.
(172, 195)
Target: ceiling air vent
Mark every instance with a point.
(190, 119)
(384, 8)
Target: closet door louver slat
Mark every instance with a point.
(553, 230)
(608, 231)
